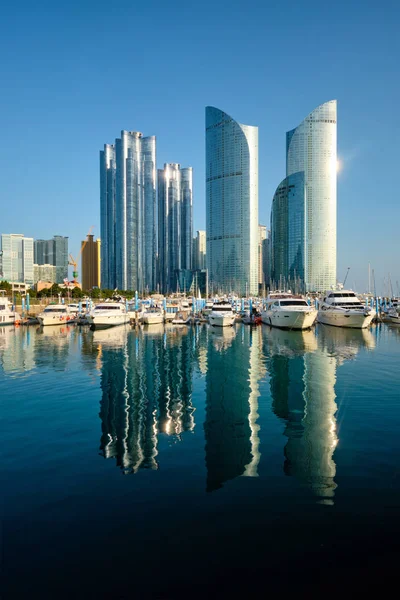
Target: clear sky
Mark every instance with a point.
(74, 74)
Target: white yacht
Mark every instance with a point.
(288, 311)
(393, 315)
(172, 307)
(55, 314)
(8, 316)
(73, 309)
(153, 315)
(342, 308)
(109, 313)
(221, 314)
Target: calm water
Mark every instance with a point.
(169, 463)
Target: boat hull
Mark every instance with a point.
(352, 320)
(45, 321)
(106, 321)
(221, 320)
(10, 319)
(289, 319)
(152, 319)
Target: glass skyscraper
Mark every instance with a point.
(128, 212)
(16, 258)
(231, 203)
(53, 252)
(303, 217)
(107, 216)
(175, 224)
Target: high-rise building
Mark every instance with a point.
(199, 251)
(44, 272)
(90, 260)
(231, 203)
(262, 234)
(53, 252)
(266, 260)
(128, 212)
(107, 216)
(17, 258)
(175, 235)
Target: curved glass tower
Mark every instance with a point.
(107, 215)
(311, 150)
(231, 204)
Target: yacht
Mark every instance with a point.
(8, 316)
(153, 315)
(109, 313)
(288, 311)
(221, 314)
(393, 315)
(55, 314)
(73, 309)
(172, 307)
(343, 308)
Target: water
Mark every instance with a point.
(190, 461)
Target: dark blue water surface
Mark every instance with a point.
(192, 462)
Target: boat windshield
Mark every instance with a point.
(107, 307)
(293, 303)
(55, 309)
(222, 308)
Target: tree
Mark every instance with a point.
(4, 285)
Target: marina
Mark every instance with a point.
(172, 444)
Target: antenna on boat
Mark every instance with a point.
(345, 279)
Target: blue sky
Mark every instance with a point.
(74, 74)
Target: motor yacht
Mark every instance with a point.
(55, 314)
(109, 313)
(342, 308)
(207, 308)
(393, 316)
(288, 311)
(221, 314)
(8, 316)
(153, 315)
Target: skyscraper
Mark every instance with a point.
(175, 228)
(309, 193)
(17, 258)
(53, 252)
(231, 203)
(128, 212)
(262, 234)
(90, 260)
(199, 251)
(107, 216)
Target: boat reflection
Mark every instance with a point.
(222, 337)
(146, 391)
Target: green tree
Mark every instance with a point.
(4, 285)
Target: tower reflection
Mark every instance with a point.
(146, 387)
(303, 377)
(234, 368)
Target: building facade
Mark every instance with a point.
(199, 251)
(53, 252)
(175, 225)
(44, 273)
(311, 149)
(262, 234)
(231, 204)
(91, 261)
(128, 212)
(16, 258)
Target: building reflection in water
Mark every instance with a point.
(231, 430)
(302, 380)
(146, 390)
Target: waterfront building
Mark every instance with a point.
(128, 212)
(53, 252)
(17, 258)
(107, 216)
(90, 260)
(45, 273)
(262, 235)
(303, 218)
(175, 225)
(199, 251)
(231, 203)
(266, 259)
